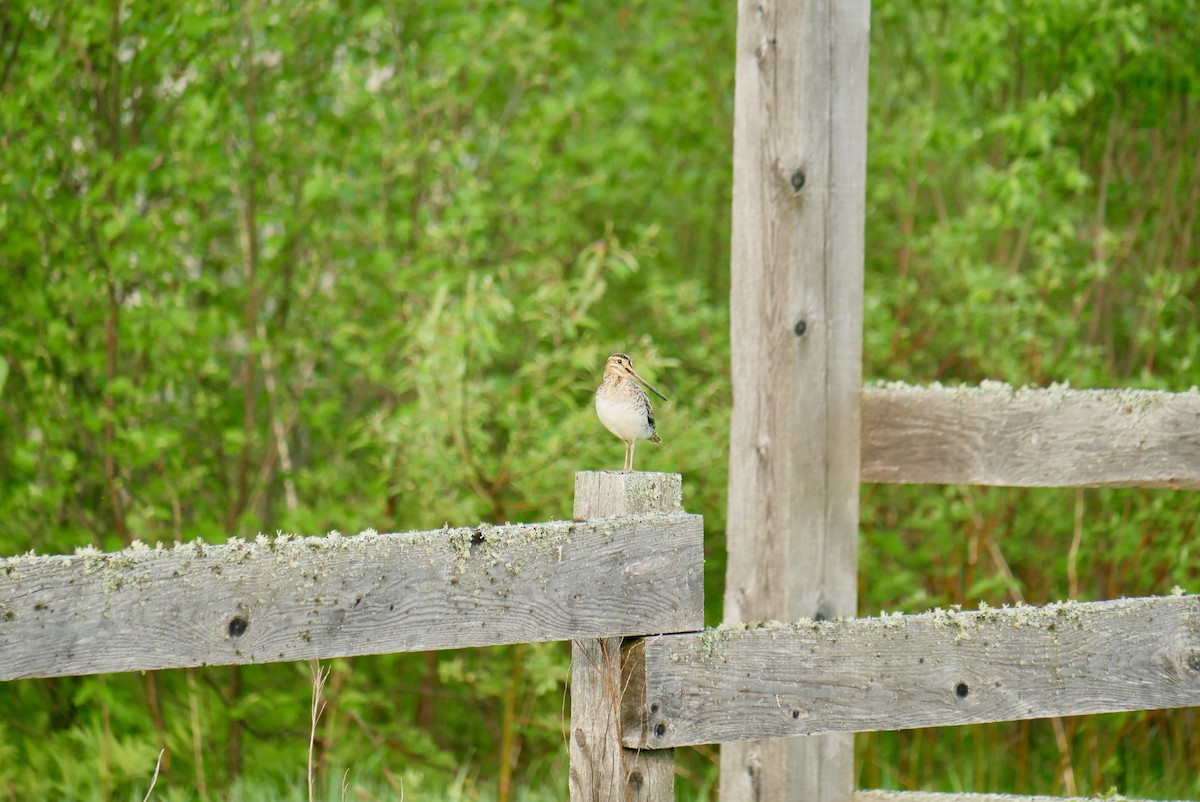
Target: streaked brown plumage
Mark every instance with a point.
(624, 408)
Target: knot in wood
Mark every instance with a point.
(762, 448)
(237, 626)
(796, 180)
(763, 50)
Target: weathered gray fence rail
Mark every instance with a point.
(997, 435)
(634, 567)
(903, 671)
(295, 598)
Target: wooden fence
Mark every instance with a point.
(625, 583)
(1057, 437)
(804, 435)
(296, 598)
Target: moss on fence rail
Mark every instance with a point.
(944, 667)
(290, 598)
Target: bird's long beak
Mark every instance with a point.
(647, 384)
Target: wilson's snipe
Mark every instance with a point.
(622, 406)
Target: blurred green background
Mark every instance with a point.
(306, 266)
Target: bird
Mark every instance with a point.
(623, 407)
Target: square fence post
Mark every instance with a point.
(601, 769)
(799, 177)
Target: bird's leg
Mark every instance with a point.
(632, 445)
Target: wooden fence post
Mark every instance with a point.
(601, 769)
(799, 175)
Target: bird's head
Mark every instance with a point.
(620, 365)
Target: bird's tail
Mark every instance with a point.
(654, 438)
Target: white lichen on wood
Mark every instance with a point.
(962, 625)
(90, 559)
(286, 597)
(1120, 400)
(941, 667)
(997, 434)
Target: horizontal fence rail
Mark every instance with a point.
(997, 435)
(906, 671)
(295, 598)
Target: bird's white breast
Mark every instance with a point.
(626, 420)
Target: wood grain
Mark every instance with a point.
(602, 770)
(799, 167)
(902, 672)
(289, 598)
(613, 494)
(997, 435)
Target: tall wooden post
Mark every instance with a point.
(796, 326)
(601, 769)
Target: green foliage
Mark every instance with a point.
(300, 267)
(1032, 211)
(1040, 204)
(313, 267)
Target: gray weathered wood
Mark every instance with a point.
(290, 598)
(901, 672)
(931, 796)
(796, 336)
(997, 435)
(612, 494)
(601, 769)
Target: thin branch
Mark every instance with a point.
(197, 739)
(114, 80)
(281, 436)
(154, 779)
(12, 56)
(319, 675)
(1076, 541)
(282, 430)
(97, 89)
(111, 346)
(249, 236)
